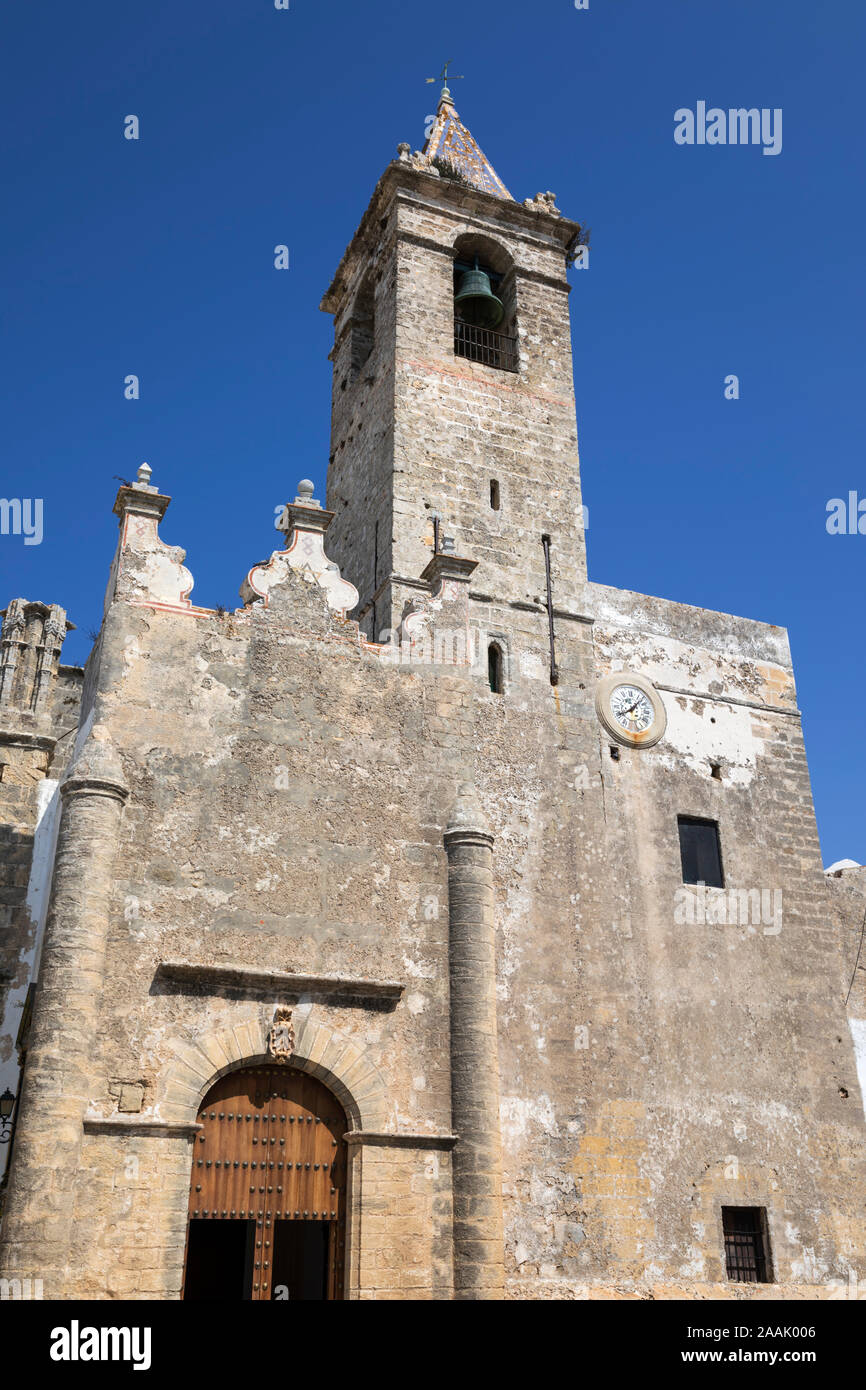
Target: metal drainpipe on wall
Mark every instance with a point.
(554, 669)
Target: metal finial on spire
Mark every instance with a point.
(443, 78)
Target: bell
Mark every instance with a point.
(476, 301)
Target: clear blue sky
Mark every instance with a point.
(261, 126)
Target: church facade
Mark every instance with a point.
(438, 924)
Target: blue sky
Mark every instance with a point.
(259, 127)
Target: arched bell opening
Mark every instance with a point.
(485, 318)
(362, 325)
(267, 1203)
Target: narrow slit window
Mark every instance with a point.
(494, 668)
(494, 494)
(700, 851)
(747, 1258)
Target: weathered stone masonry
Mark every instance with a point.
(39, 706)
(478, 1236)
(472, 900)
(58, 1073)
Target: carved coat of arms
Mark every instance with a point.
(281, 1038)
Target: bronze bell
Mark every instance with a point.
(476, 301)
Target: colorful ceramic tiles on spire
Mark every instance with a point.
(451, 141)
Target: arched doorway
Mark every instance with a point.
(267, 1202)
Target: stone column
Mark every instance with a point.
(478, 1228)
(59, 1071)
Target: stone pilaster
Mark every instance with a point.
(478, 1226)
(38, 1222)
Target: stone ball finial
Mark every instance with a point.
(305, 496)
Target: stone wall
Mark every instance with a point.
(39, 703)
(390, 471)
(261, 811)
(847, 894)
(290, 787)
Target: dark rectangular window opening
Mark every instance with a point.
(495, 677)
(747, 1245)
(494, 494)
(700, 851)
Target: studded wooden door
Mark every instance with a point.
(271, 1153)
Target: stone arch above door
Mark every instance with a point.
(323, 1052)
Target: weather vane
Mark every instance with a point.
(443, 78)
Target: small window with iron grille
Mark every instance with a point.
(700, 851)
(747, 1245)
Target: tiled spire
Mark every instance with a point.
(451, 141)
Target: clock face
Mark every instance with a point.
(631, 708)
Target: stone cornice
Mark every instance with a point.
(447, 566)
(427, 243)
(113, 1124)
(305, 518)
(384, 1140)
(19, 738)
(401, 180)
(140, 501)
(476, 205)
(538, 277)
(522, 607)
(277, 982)
(405, 580)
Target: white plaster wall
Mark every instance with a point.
(858, 1033)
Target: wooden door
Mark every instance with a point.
(271, 1155)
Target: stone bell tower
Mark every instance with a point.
(448, 426)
